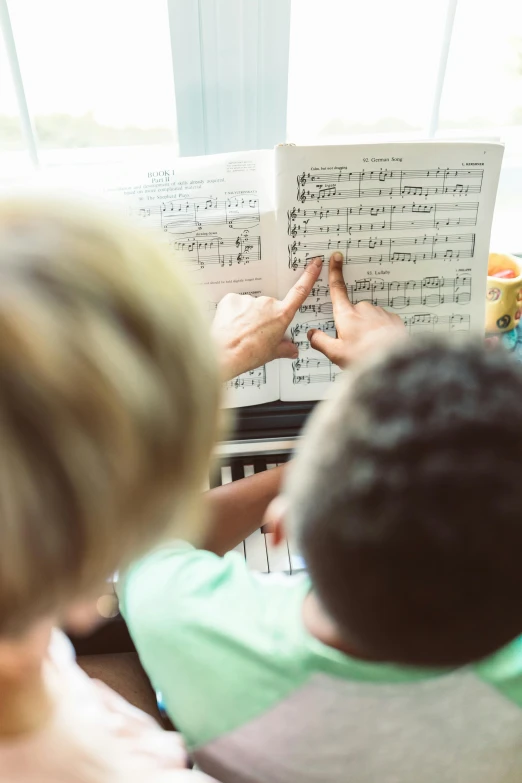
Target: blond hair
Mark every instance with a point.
(109, 395)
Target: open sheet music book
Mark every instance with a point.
(413, 221)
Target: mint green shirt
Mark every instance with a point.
(259, 699)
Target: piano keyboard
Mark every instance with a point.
(236, 459)
(258, 549)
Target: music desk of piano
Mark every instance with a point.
(264, 437)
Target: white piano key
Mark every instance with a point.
(271, 465)
(278, 558)
(226, 474)
(255, 552)
(240, 549)
(297, 562)
(248, 470)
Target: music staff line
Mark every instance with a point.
(199, 252)
(329, 376)
(186, 215)
(384, 174)
(416, 323)
(327, 185)
(300, 254)
(332, 191)
(398, 294)
(252, 378)
(412, 321)
(383, 217)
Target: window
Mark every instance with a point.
(96, 75)
(483, 84)
(11, 137)
(360, 68)
(99, 78)
(483, 96)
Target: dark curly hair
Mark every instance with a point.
(407, 497)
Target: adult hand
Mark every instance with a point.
(250, 331)
(359, 326)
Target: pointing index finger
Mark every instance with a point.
(301, 290)
(338, 292)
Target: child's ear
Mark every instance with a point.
(274, 518)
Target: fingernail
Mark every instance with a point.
(337, 257)
(317, 260)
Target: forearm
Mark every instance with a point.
(237, 509)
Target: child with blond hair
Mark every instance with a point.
(109, 395)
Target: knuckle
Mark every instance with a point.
(300, 289)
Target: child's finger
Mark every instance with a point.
(338, 292)
(325, 344)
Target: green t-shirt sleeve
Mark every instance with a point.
(221, 643)
(503, 671)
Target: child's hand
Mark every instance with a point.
(359, 326)
(251, 330)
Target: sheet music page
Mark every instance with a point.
(413, 222)
(217, 215)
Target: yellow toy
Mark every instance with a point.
(504, 293)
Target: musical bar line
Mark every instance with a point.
(252, 378)
(416, 323)
(311, 186)
(299, 253)
(200, 251)
(187, 215)
(382, 217)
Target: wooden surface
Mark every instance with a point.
(124, 674)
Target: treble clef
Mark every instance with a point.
(302, 179)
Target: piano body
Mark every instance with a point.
(264, 437)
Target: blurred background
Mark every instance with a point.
(94, 81)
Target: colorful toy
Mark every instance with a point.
(504, 294)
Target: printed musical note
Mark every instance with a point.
(411, 183)
(427, 247)
(252, 378)
(412, 235)
(384, 217)
(201, 251)
(184, 216)
(327, 375)
(416, 323)
(399, 294)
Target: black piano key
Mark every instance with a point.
(238, 471)
(259, 464)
